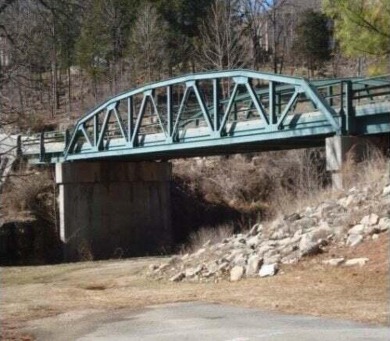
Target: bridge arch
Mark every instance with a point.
(192, 113)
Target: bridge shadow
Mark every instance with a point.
(31, 242)
(190, 212)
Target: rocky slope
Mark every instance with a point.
(349, 219)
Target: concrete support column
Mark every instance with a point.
(111, 209)
(338, 150)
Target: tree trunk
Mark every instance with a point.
(69, 91)
(54, 88)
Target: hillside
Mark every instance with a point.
(332, 228)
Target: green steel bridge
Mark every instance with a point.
(219, 113)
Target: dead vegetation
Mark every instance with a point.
(373, 170)
(31, 191)
(207, 235)
(260, 187)
(255, 184)
(243, 189)
(28, 221)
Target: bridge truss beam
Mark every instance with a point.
(214, 104)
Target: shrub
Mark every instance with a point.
(31, 191)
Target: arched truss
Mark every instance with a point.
(202, 111)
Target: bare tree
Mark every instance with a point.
(279, 24)
(270, 26)
(35, 34)
(148, 42)
(254, 25)
(221, 34)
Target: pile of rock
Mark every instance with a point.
(348, 220)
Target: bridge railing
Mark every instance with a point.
(45, 146)
(368, 93)
(371, 90)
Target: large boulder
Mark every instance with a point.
(370, 220)
(236, 273)
(354, 239)
(311, 243)
(254, 264)
(268, 270)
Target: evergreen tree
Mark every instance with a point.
(312, 45)
(184, 18)
(104, 38)
(361, 27)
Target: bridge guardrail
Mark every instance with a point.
(44, 144)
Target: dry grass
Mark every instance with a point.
(372, 172)
(207, 235)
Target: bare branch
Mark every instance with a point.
(222, 46)
(5, 4)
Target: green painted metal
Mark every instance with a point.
(219, 112)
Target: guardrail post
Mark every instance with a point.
(169, 113)
(341, 98)
(42, 147)
(272, 111)
(330, 94)
(349, 109)
(19, 146)
(66, 138)
(216, 96)
(278, 100)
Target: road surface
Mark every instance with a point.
(204, 321)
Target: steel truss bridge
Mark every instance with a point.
(219, 113)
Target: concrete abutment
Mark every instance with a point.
(111, 209)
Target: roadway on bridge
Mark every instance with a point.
(205, 321)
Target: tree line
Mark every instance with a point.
(61, 56)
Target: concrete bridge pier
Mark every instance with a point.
(111, 209)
